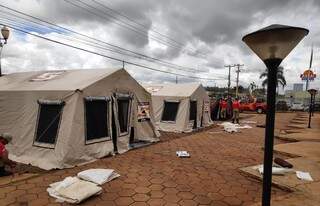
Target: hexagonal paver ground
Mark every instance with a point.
(154, 175)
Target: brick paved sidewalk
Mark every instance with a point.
(155, 176)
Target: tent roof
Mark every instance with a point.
(178, 90)
(58, 80)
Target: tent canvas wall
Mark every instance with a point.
(180, 107)
(65, 118)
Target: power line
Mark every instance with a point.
(92, 10)
(138, 23)
(109, 57)
(60, 29)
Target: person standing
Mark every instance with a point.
(235, 108)
(4, 160)
(223, 106)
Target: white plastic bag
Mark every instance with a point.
(182, 154)
(304, 176)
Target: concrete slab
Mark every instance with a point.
(302, 114)
(304, 149)
(297, 126)
(301, 118)
(289, 181)
(299, 121)
(296, 137)
(290, 131)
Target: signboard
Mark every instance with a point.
(143, 111)
(308, 74)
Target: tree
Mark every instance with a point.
(280, 78)
(252, 87)
(240, 89)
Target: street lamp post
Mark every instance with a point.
(5, 34)
(272, 44)
(312, 93)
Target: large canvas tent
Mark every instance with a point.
(180, 107)
(61, 119)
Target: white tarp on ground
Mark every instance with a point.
(20, 108)
(183, 94)
(230, 127)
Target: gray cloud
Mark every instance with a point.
(212, 28)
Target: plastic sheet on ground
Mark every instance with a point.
(182, 154)
(73, 190)
(98, 176)
(304, 175)
(230, 127)
(276, 170)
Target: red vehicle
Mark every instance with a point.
(253, 104)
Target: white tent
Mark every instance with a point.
(65, 118)
(180, 107)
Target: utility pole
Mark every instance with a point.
(238, 71)
(229, 82)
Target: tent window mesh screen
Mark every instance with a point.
(170, 111)
(123, 114)
(193, 110)
(96, 115)
(48, 123)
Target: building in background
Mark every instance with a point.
(298, 87)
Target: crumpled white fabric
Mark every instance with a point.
(98, 176)
(73, 190)
(230, 127)
(276, 170)
(304, 175)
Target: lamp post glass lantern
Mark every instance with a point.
(5, 34)
(272, 44)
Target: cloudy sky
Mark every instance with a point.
(201, 36)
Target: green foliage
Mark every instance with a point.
(280, 77)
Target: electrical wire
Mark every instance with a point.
(109, 57)
(60, 29)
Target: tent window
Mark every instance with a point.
(123, 114)
(97, 118)
(49, 118)
(193, 110)
(170, 111)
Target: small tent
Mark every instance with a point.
(60, 119)
(180, 107)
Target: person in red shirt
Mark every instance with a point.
(235, 108)
(223, 106)
(4, 160)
